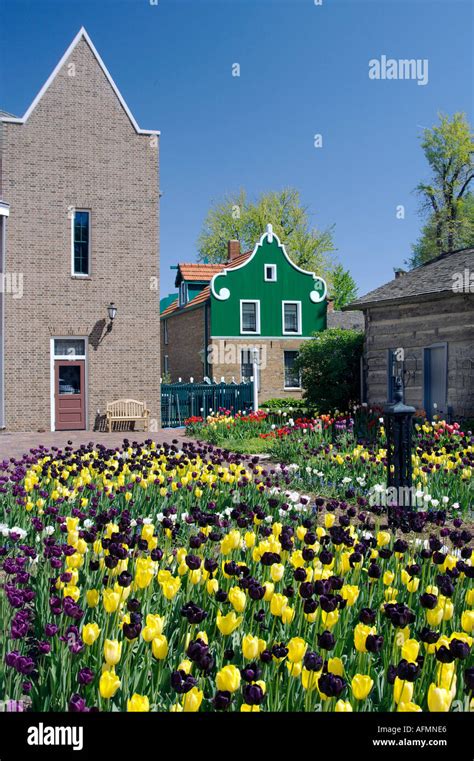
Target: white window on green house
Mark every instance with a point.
(183, 294)
(292, 375)
(80, 243)
(270, 273)
(165, 331)
(249, 317)
(291, 318)
(246, 366)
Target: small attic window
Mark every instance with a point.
(270, 273)
(183, 294)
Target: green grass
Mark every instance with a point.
(253, 445)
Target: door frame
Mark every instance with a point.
(426, 369)
(82, 357)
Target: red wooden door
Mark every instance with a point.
(69, 395)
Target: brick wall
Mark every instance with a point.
(185, 342)
(272, 375)
(79, 149)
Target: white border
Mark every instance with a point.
(82, 34)
(81, 275)
(290, 388)
(76, 357)
(257, 317)
(272, 279)
(299, 315)
(224, 293)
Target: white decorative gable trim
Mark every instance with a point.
(223, 293)
(81, 35)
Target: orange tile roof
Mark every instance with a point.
(197, 271)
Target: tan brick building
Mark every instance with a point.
(79, 229)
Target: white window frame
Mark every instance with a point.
(89, 268)
(165, 332)
(273, 277)
(183, 293)
(285, 387)
(257, 317)
(291, 332)
(258, 365)
(72, 357)
(166, 364)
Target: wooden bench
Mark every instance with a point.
(127, 410)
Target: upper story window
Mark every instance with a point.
(250, 316)
(270, 272)
(183, 294)
(81, 238)
(291, 317)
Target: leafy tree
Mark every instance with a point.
(238, 217)
(448, 148)
(426, 246)
(330, 369)
(344, 288)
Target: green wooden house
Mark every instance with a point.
(256, 300)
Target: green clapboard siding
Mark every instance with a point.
(248, 283)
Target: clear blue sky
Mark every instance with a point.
(304, 70)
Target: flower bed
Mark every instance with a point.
(166, 580)
(346, 457)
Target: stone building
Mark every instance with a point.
(421, 325)
(258, 300)
(79, 229)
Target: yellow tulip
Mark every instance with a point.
(244, 708)
(388, 578)
(112, 651)
(154, 627)
(109, 683)
(361, 632)
(335, 666)
(192, 700)
(111, 600)
(90, 632)
(343, 706)
(402, 691)
(296, 649)
(409, 708)
(309, 679)
(350, 593)
(467, 620)
(252, 647)
(212, 586)
(170, 587)
(228, 679)
(361, 686)
(435, 616)
(276, 571)
(410, 650)
(278, 604)
(237, 599)
(159, 647)
(439, 699)
(383, 538)
(229, 623)
(138, 703)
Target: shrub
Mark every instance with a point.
(330, 367)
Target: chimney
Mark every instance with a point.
(233, 249)
(399, 273)
(330, 305)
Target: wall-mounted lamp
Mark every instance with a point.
(112, 310)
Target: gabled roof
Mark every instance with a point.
(351, 320)
(198, 272)
(81, 35)
(201, 298)
(429, 280)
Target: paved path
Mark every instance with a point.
(15, 444)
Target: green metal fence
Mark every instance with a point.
(182, 400)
